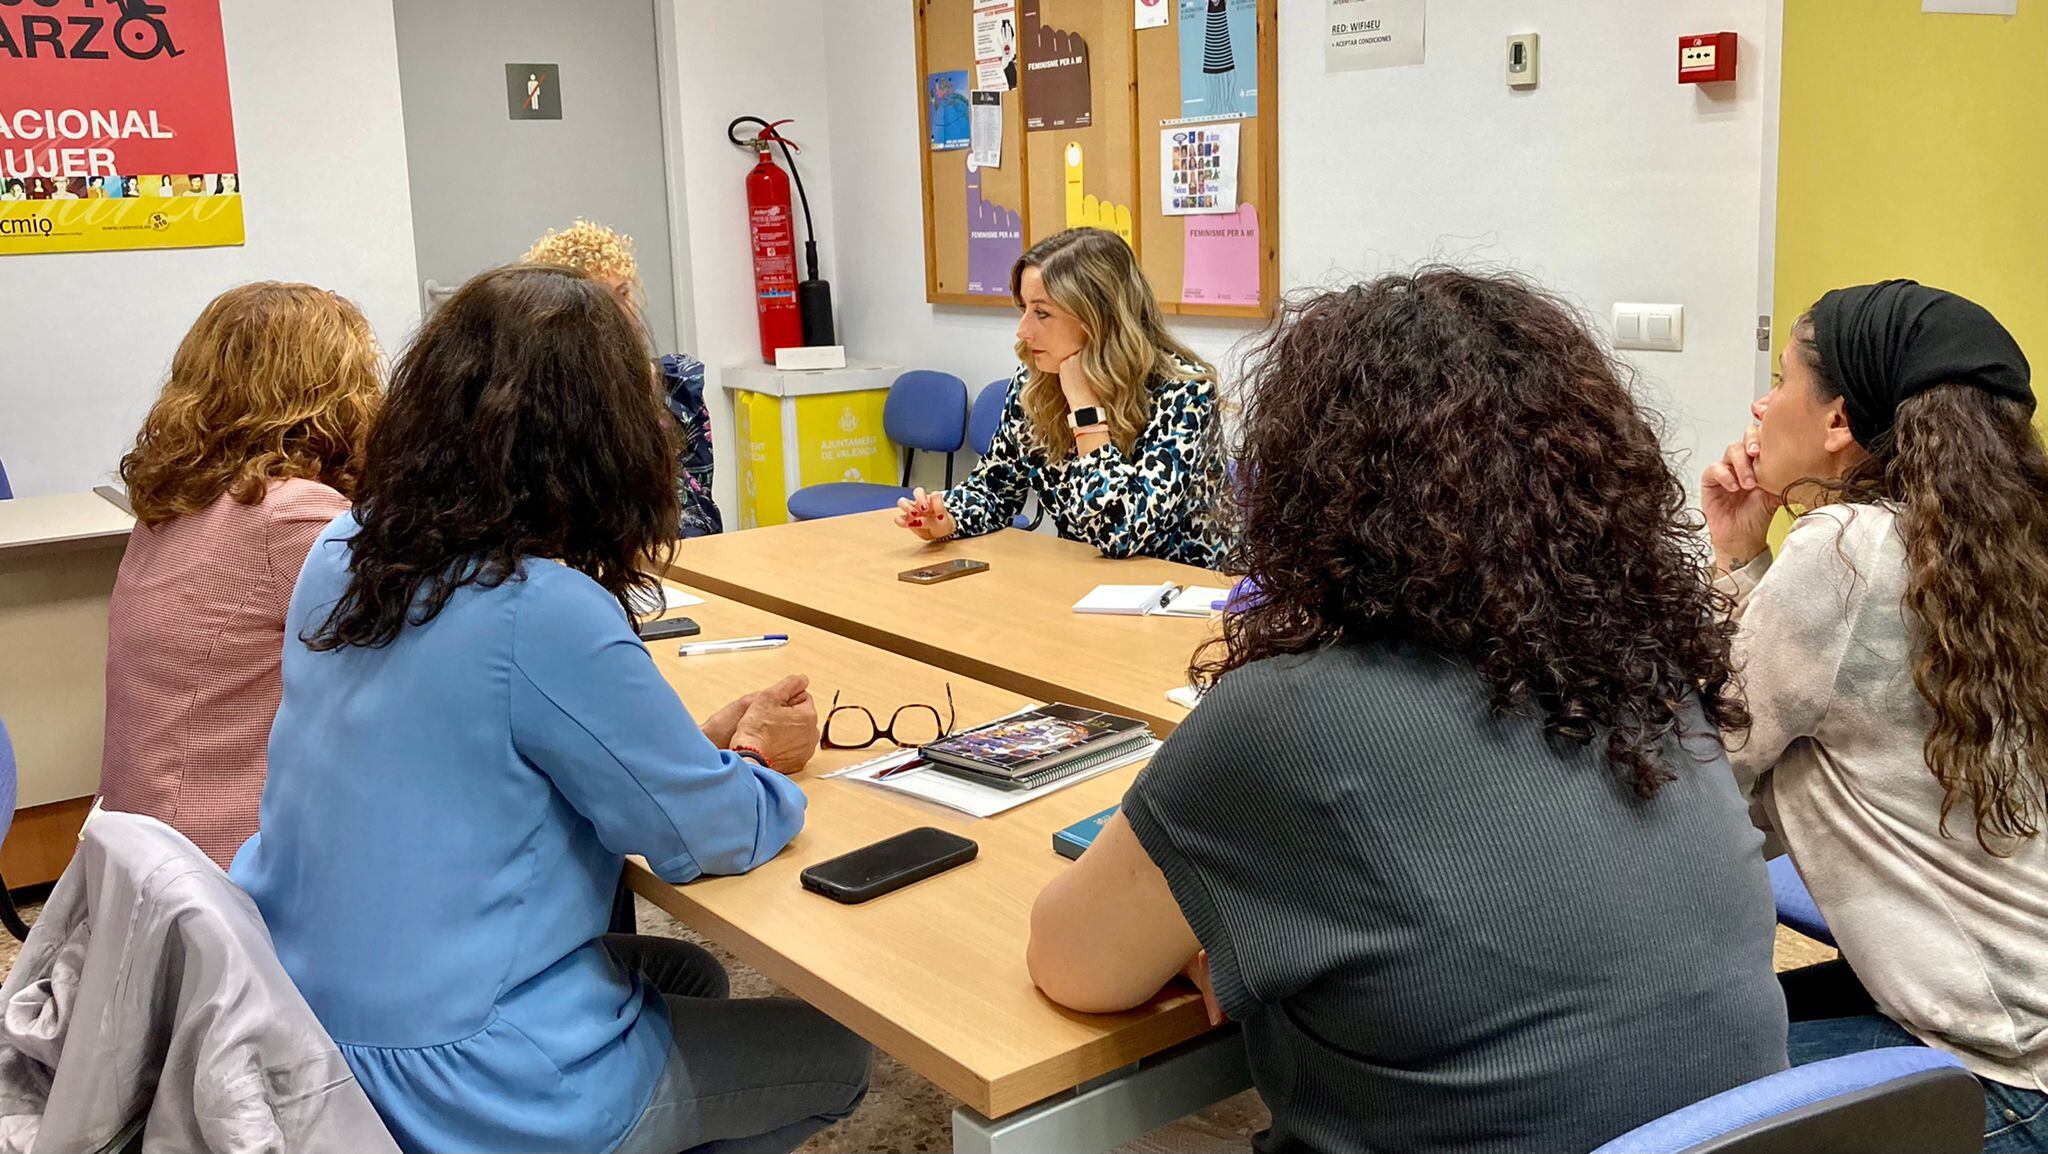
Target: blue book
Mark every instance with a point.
(1071, 841)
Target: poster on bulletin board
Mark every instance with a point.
(116, 131)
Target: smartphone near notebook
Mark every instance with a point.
(1166, 599)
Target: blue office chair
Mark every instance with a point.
(6, 490)
(1900, 1098)
(983, 422)
(987, 416)
(926, 410)
(9, 916)
(1796, 908)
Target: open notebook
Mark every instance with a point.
(1163, 600)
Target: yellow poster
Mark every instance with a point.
(93, 224)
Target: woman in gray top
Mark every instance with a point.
(1452, 834)
(1895, 657)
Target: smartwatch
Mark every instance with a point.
(1083, 417)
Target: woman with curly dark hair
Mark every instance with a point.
(1452, 833)
(1895, 657)
(472, 737)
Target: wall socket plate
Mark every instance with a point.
(1521, 60)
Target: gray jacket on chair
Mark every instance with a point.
(152, 976)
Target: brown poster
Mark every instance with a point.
(1055, 74)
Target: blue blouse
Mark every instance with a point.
(1160, 500)
(442, 831)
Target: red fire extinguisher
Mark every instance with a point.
(774, 234)
(785, 322)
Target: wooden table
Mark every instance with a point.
(1012, 627)
(58, 558)
(933, 974)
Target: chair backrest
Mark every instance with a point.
(169, 958)
(987, 416)
(927, 410)
(6, 490)
(1899, 1098)
(8, 784)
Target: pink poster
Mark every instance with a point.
(1221, 256)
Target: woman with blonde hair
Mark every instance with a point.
(1109, 420)
(253, 447)
(606, 257)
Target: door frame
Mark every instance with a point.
(1772, 66)
(667, 47)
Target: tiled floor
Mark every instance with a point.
(904, 1112)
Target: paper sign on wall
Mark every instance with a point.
(985, 143)
(1056, 93)
(995, 45)
(1220, 259)
(1198, 169)
(1219, 58)
(1373, 34)
(1150, 13)
(945, 97)
(995, 239)
(128, 145)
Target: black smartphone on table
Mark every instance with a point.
(666, 629)
(889, 865)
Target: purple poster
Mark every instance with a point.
(995, 239)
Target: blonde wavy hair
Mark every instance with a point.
(1094, 275)
(593, 250)
(273, 381)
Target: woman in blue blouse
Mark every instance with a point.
(470, 739)
(1110, 420)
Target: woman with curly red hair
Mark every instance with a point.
(1452, 834)
(253, 447)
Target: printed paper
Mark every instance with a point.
(1373, 34)
(985, 136)
(1056, 93)
(995, 45)
(945, 95)
(1198, 169)
(1219, 58)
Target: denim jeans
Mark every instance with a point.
(751, 1076)
(2015, 1118)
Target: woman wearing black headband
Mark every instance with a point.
(1895, 660)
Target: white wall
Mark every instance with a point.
(88, 337)
(764, 58)
(1610, 182)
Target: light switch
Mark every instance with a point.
(1653, 327)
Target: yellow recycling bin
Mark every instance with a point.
(806, 427)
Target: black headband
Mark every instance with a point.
(1882, 343)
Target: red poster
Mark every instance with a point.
(116, 129)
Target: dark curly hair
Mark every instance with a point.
(1967, 475)
(1450, 459)
(522, 422)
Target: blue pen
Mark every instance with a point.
(735, 645)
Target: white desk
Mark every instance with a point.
(58, 558)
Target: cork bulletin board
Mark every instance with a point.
(1154, 119)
